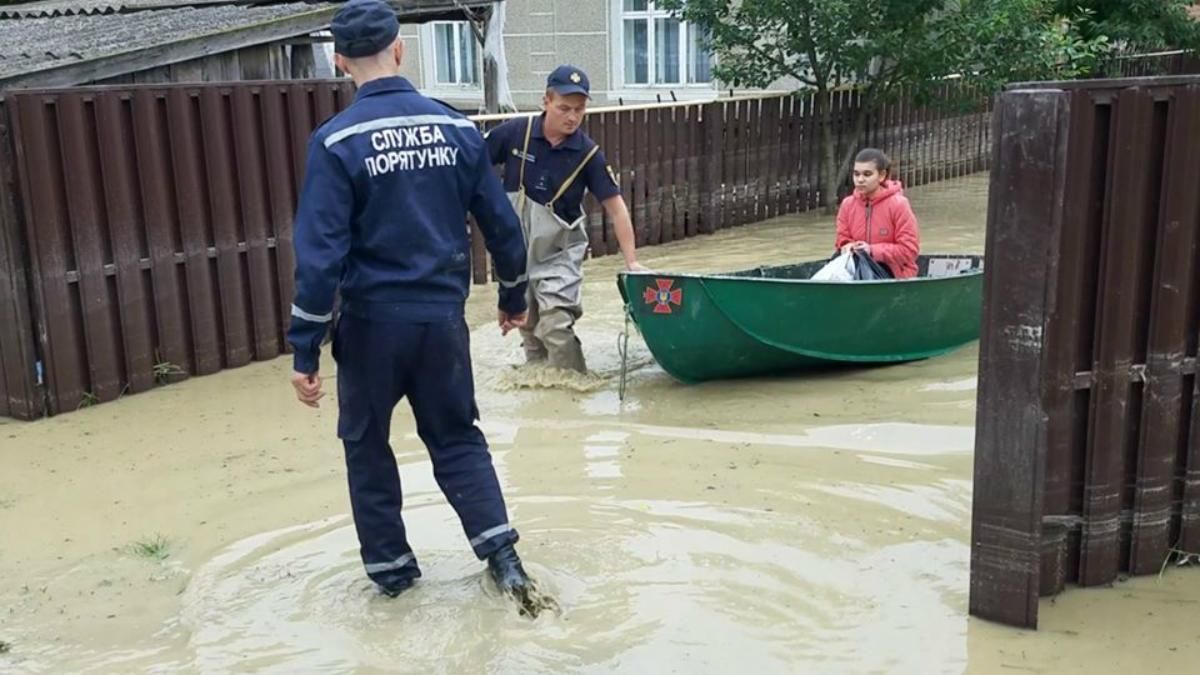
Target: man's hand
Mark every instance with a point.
(862, 246)
(308, 389)
(509, 322)
(636, 266)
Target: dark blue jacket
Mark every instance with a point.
(383, 216)
(548, 167)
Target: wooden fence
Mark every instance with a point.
(1088, 431)
(147, 228)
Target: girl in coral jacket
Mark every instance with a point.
(877, 218)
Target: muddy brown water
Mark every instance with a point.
(811, 524)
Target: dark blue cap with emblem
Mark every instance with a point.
(567, 80)
(364, 28)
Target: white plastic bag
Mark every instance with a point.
(840, 268)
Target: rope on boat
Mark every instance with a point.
(623, 349)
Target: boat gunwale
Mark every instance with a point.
(737, 276)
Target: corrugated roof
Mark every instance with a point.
(56, 8)
(30, 45)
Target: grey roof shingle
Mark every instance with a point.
(28, 45)
(52, 8)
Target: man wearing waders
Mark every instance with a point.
(382, 218)
(548, 163)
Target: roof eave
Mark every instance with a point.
(199, 46)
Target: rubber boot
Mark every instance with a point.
(510, 577)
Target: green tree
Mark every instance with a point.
(1136, 25)
(884, 48)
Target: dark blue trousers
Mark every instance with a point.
(379, 363)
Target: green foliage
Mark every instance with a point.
(883, 45)
(888, 47)
(1135, 25)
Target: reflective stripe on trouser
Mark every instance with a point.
(379, 363)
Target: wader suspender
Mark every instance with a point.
(565, 186)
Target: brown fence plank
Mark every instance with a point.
(191, 198)
(726, 145)
(222, 178)
(325, 104)
(652, 158)
(610, 130)
(160, 215)
(595, 225)
(723, 143)
(680, 121)
(47, 230)
(277, 110)
(625, 168)
(745, 154)
(249, 153)
(812, 181)
(20, 396)
(756, 165)
(1122, 293)
(645, 223)
(774, 141)
(660, 173)
(782, 169)
(1010, 442)
(303, 120)
(669, 160)
(118, 161)
(89, 230)
(793, 142)
(734, 163)
(1189, 480)
(907, 150)
(710, 159)
(1069, 338)
(691, 170)
(1163, 440)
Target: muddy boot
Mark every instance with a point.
(535, 351)
(394, 587)
(510, 577)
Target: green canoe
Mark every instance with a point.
(772, 320)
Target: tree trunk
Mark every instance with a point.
(830, 176)
(838, 158)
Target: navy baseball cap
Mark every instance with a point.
(567, 80)
(364, 28)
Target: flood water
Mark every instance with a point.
(807, 524)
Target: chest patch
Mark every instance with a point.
(527, 156)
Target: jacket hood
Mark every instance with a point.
(886, 190)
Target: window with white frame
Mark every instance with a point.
(659, 49)
(454, 56)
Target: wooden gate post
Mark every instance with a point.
(1025, 211)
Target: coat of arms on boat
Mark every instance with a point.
(662, 296)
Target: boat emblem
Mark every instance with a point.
(662, 296)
